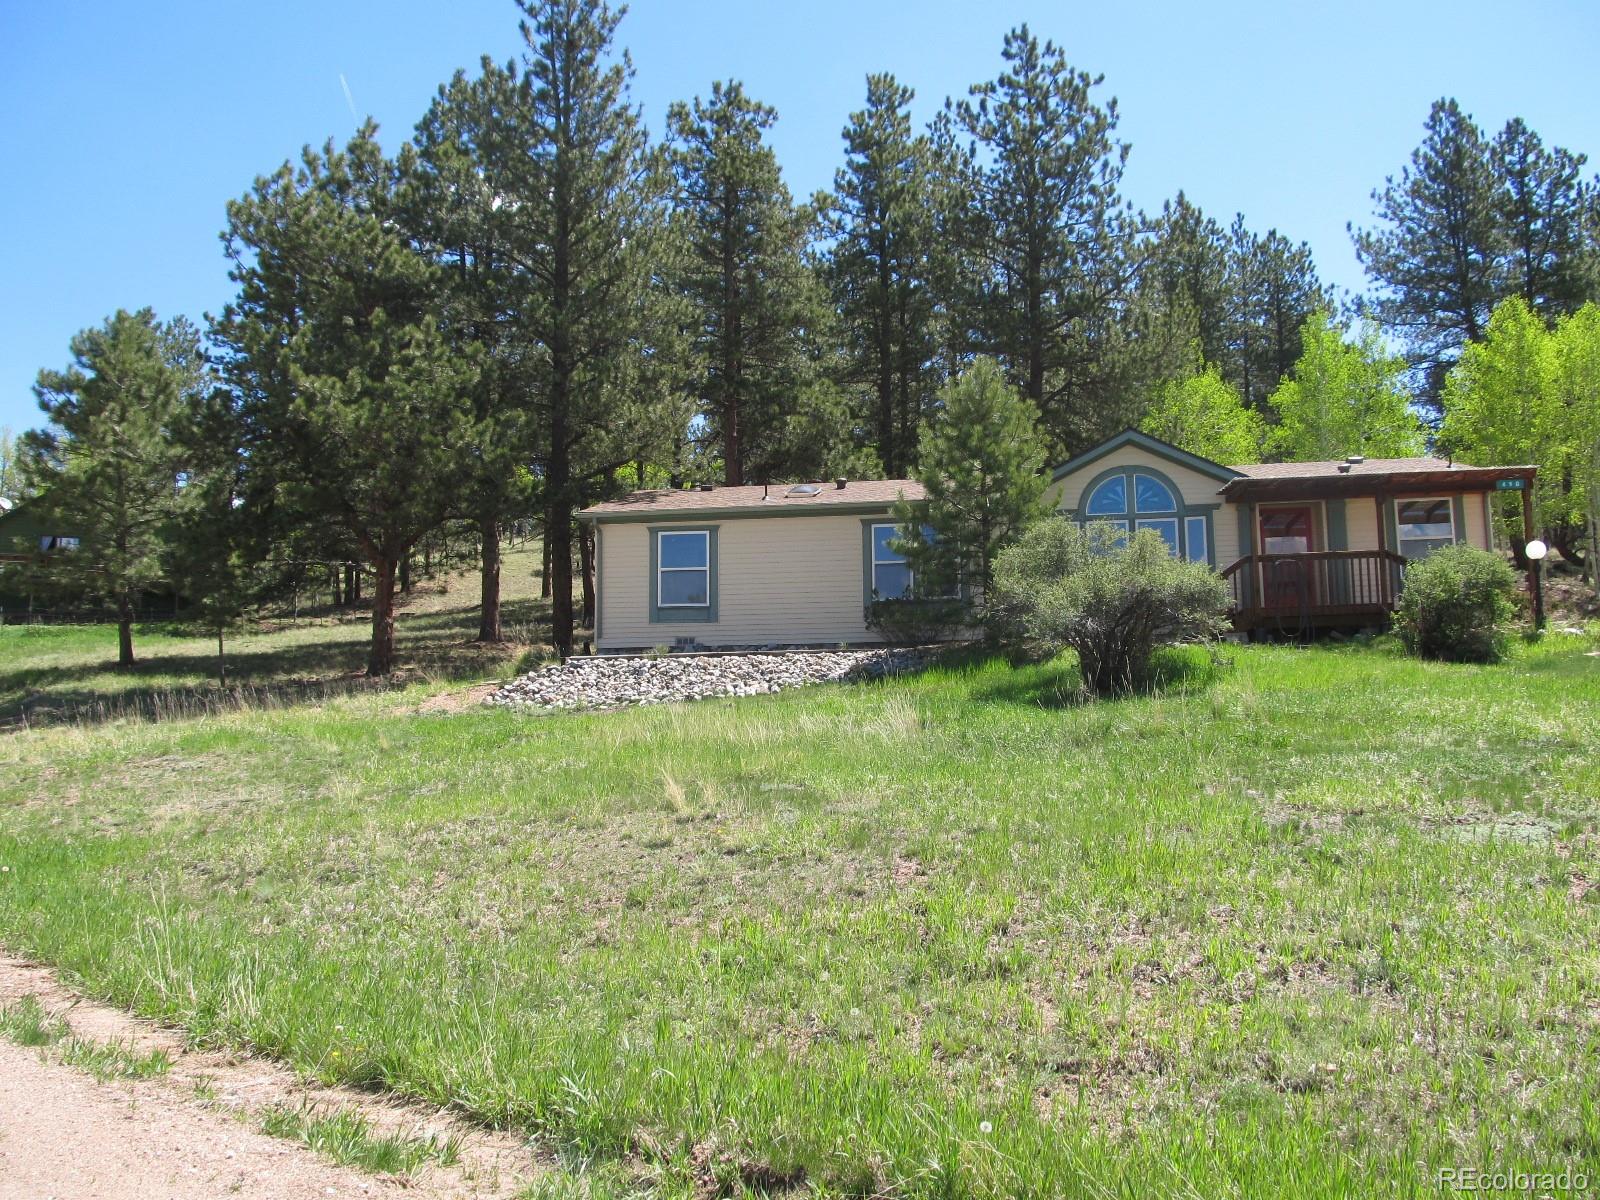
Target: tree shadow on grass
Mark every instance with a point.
(167, 681)
(1058, 683)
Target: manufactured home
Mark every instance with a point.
(1300, 545)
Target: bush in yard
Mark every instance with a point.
(1455, 605)
(1112, 599)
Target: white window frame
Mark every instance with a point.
(902, 561)
(1174, 547)
(1399, 525)
(1190, 524)
(911, 576)
(705, 571)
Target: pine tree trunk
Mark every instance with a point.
(405, 573)
(544, 575)
(489, 602)
(124, 632)
(732, 347)
(586, 560)
(558, 538)
(380, 660)
(222, 663)
(887, 451)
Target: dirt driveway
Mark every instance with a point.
(192, 1133)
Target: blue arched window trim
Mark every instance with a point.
(1132, 497)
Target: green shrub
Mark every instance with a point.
(1113, 600)
(1455, 605)
(917, 622)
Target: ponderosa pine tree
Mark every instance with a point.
(1248, 295)
(1186, 261)
(1542, 199)
(1276, 290)
(1343, 398)
(1435, 254)
(979, 463)
(1044, 180)
(588, 199)
(745, 276)
(459, 205)
(878, 268)
(222, 557)
(107, 468)
(351, 400)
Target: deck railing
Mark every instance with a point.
(1322, 583)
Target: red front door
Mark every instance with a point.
(1286, 583)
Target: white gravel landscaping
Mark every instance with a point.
(610, 682)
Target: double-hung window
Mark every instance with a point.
(1424, 525)
(683, 570)
(683, 574)
(891, 574)
(892, 577)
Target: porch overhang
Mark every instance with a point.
(1257, 489)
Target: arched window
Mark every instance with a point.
(1132, 499)
(1110, 498)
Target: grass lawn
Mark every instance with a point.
(1320, 922)
(54, 671)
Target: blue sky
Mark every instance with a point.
(127, 127)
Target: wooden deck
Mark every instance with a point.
(1319, 589)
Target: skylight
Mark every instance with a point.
(805, 489)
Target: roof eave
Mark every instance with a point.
(854, 508)
(1371, 484)
(1153, 445)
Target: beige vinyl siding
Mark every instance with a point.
(1361, 523)
(791, 580)
(1198, 490)
(1477, 531)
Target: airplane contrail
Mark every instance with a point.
(348, 98)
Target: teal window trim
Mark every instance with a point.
(1130, 517)
(705, 614)
(1338, 531)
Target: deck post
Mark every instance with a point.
(1385, 568)
(1535, 583)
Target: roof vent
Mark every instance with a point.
(1353, 459)
(1344, 468)
(708, 487)
(840, 482)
